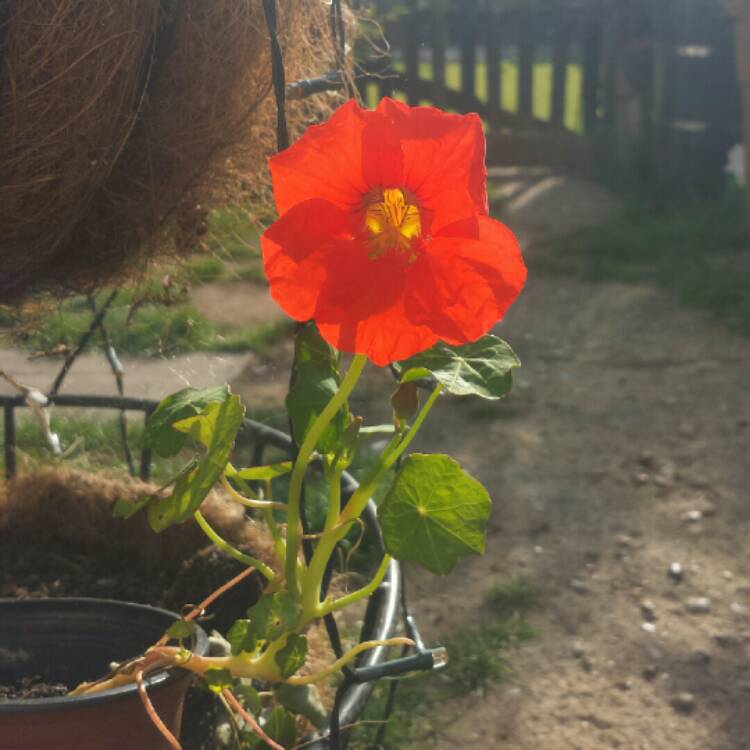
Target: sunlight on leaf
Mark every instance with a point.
(481, 369)
(434, 514)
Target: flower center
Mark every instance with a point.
(392, 221)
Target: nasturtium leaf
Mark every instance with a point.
(218, 679)
(260, 473)
(247, 695)
(405, 402)
(273, 615)
(216, 428)
(126, 508)
(160, 434)
(292, 656)
(281, 728)
(434, 514)
(303, 700)
(482, 368)
(316, 381)
(181, 629)
(241, 637)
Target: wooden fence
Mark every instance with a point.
(565, 83)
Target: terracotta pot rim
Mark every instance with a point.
(65, 703)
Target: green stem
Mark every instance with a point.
(303, 459)
(309, 679)
(334, 496)
(359, 499)
(225, 546)
(344, 601)
(249, 502)
(278, 542)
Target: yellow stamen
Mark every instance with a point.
(392, 222)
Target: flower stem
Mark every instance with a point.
(308, 679)
(395, 449)
(225, 546)
(359, 499)
(249, 502)
(355, 596)
(303, 459)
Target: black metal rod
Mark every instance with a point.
(9, 426)
(277, 75)
(144, 471)
(118, 372)
(71, 358)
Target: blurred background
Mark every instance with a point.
(612, 606)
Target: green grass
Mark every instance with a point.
(697, 250)
(542, 88)
(477, 660)
(232, 247)
(153, 329)
(88, 444)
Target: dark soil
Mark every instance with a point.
(32, 687)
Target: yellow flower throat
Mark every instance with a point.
(392, 222)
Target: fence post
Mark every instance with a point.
(492, 58)
(468, 50)
(560, 51)
(438, 20)
(591, 72)
(741, 11)
(411, 52)
(526, 68)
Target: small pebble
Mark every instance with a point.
(579, 586)
(648, 627)
(647, 459)
(739, 609)
(676, 572)
(723, 640)
(699, 657)
(728, 575)
(648, 610)
(692, 516)
(698, 605)
(650, 672)
(684, 703)
(578, 650)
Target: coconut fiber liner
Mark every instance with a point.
(120, 119)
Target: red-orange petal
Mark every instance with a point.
(467, 284)
(326, 162)
(443, 160)
(297, 250)
(361, 307)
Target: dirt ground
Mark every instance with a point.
(622, 451)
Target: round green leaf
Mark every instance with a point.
(434, 514)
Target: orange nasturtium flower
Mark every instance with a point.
(383, 237)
